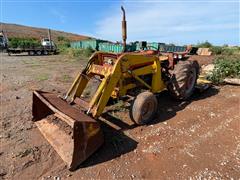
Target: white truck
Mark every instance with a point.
(3, 41)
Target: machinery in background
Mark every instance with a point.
(46, 47)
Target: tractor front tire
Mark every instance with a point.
(143, 108)
(183, 79)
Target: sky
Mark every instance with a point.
(169, 21)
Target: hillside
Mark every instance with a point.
(15, 30)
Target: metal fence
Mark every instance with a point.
(92, 43)
(116, 48)
(101, 45)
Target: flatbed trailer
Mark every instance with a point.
(33, 50)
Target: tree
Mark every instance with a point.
(205, 44)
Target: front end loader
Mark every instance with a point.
(70, 123)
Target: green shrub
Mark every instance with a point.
(223, 50)
(216, 50)
(61, 38)
(62, 49)
(88, 52)
(74, 53)
(228, 51)
(205, 44)
(23, 42)
(225, 66)
(62, 42)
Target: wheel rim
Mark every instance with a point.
(147, 110)
(191, 81)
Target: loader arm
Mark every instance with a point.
(110, 77)
(125, 66)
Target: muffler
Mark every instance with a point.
(73, 134)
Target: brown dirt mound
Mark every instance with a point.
(15, 30)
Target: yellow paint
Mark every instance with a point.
(117, 80)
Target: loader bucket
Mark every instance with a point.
(73, 134)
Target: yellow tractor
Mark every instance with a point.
(69, 122)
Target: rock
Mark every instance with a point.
(133, 176)
(223, 163)
(27, 164)
(17, 97)
(3, 172)
(56, 178)
(5, 136)
(24, 153)
(29, 126)
(207, 69)
(212, 114)
(234, 81)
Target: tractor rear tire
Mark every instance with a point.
(144, 108)
(183, 79)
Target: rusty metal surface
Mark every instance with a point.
(81, 103)
(58, 105)
(124, 29)
(100, 70)
(75, 147)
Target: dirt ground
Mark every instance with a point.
(195, 139)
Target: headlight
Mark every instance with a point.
(175, 56)
(180, 56)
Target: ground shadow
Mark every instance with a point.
(168, 106)
(117, 121)
(116, 143)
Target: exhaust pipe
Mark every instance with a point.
(50, 38)
(124, 29)
(49, 35)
